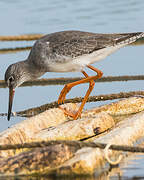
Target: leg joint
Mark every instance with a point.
(100, 74)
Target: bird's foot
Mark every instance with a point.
(63, 94)
(71, 114)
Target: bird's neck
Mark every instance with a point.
(31, 71)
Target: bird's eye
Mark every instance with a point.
(11, 78)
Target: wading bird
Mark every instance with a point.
(66, 51)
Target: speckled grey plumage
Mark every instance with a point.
(62, 47)
(77, 43)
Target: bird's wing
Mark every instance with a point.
(77, 43)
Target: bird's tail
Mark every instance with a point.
(129, 38)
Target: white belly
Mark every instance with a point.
(78, 64)
(96, 55)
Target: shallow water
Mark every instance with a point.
(26, 17)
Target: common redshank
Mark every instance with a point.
(66, 51)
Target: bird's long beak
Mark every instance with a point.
(11, 95)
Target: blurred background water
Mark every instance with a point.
(102, 16)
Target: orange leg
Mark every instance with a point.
(68, 87)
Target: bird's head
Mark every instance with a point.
(15, 75)
(18, 73)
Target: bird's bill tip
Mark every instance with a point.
(11, 95)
